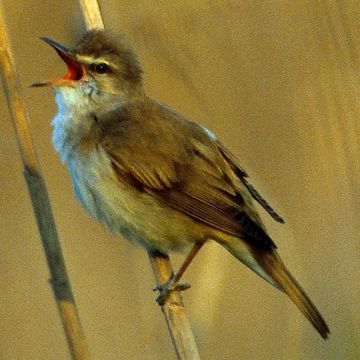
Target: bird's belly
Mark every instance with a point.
(136, 215)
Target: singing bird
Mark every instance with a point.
(151, 175)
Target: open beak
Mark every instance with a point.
(74, 69)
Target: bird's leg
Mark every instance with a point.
(172, 283)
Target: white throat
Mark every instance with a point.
(78, 107)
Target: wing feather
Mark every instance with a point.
(178, 163)
(197, 188)
(243, 177)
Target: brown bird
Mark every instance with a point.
(152, 175)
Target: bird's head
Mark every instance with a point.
(99, 66)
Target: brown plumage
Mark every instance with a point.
(205, 183)
(152, 175)
(275, 267)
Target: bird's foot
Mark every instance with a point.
(167, 288)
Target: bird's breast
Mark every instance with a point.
(136, 215)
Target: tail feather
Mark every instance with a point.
(276, 269)
(268, 264)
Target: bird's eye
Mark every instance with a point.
(101, 68)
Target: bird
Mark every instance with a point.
(150, 174)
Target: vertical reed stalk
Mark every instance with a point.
(41, 203)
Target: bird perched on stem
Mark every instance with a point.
(153, 176)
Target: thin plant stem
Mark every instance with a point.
(41, 204)
(174, 311)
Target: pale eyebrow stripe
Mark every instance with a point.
(90, 60)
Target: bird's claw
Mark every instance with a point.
(167, 288)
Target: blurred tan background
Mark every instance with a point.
(278, 82)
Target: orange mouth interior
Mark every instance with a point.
(75, 70)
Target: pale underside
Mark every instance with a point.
(178, 187)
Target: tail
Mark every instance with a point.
(268, 265)
(275, 268)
